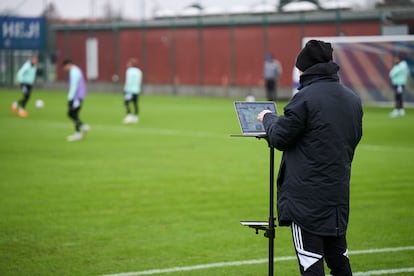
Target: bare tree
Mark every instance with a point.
(110, 13)
(51, 11)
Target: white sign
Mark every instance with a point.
(92, 67)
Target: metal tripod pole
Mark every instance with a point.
(269, 226)
(270, 233)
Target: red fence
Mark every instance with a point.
(229, 54)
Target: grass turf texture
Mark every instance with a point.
(170, 191)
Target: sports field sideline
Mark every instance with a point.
(277, 260)
(169, 192)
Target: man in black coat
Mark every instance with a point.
(318, 134)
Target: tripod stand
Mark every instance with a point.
(269, 226)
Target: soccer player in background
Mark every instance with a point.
(76, 94)
(132, 89)
(272, 70)
(26, 76)
(399, 76)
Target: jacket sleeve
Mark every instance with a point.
(74, 78)
(127, 84)
(284, 131)
(22, 72)
(399, 69)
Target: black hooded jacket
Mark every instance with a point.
(318, 134)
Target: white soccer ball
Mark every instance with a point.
(39, 104)
(250, 98)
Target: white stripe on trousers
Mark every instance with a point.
(306, 258)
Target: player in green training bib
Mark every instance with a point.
(132, 89)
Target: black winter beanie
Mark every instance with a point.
(315, 51)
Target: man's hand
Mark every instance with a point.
(261, 114)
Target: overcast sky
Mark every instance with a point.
(130, 9)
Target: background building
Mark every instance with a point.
(205, 51)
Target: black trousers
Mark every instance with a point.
(271, 89)
(399, 93)
(311, 250)
(74, 108)
(27, 91)
(131, 98)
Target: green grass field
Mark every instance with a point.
(171, 190)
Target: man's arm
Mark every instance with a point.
(398, 69)
(283, 131)
(74, 78)
(21, 72)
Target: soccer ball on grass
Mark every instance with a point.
(39, 104)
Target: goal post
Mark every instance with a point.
(365, 62)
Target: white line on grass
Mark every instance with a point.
(384, 272)
(278, 259)
(386, 148)
(159, 131)
(203, 266)
(381, 250)
(140, 130)
(195, 134)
